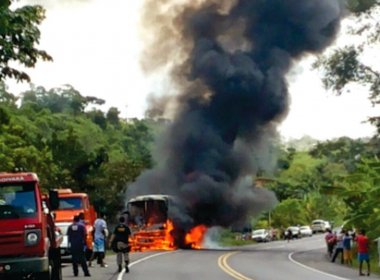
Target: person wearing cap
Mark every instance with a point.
(119, 242)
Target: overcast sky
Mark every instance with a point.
(95, 46)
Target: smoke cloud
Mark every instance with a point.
(228, 62)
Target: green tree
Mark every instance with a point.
(53, 135)
(299, 178)
(343, 150)
(360, 191)
(289, 212)
(58, 100)
(97, 116)
(19, 35)
(347, 64)
(113, 116)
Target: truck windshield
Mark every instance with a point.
(17, 201)
(70, 203)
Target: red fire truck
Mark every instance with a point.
(29, 243)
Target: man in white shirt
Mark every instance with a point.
(100, 235)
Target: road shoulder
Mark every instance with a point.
(317, 259)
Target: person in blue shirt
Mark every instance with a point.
(347, 251)
(76, 234)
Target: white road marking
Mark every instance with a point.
(313, 269)
(120, 276)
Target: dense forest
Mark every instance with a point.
(52, 134)
(337, 180)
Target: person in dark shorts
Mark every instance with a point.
(77, 239)
(119, 242)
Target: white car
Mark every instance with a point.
(261, 235)
(320, 226)
(306, 231)
(294, 230)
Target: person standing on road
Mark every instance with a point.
(77, 239)
(347, 250)
(339, 247)
(330, 239)
(289, 234)
(119, 242)
(363, 251)
(100, 235)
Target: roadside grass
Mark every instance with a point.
(233, 242)
(228, 238)
(374, 262)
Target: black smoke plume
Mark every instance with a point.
(228, 62)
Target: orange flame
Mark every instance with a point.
(161, 238)
(146, 239)
(195, 236)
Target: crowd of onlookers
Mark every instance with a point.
(342, 244)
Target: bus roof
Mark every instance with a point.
(148, 197)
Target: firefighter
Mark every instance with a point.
(119, 242)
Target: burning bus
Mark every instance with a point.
(153, 225)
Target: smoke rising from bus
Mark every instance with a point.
(227, 61)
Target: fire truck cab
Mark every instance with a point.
(72, 204)
(28, 240)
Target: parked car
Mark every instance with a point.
(295, 230)
(306, 231)
(261, 235)
(320, 226)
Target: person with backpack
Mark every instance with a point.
(119, 242)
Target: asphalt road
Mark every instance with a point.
(299, 259)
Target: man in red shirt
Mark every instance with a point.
(363, 255)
